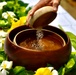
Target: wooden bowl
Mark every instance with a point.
(33, 58)
(39, 40)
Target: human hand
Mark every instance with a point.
(42, 3)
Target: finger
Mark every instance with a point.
(50, 3)
(56, 4)
(40, 4)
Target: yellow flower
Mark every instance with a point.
(43, 71)
(46, 71)
(20, 22)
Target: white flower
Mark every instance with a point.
(54, 72)
(5, 65)
(2, 37)
(2, 33)
(46, 71)
(2, 42)
(3, 71)
(2, 4)
(7, 14)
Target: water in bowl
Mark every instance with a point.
(42, 42)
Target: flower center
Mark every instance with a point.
(4, 66)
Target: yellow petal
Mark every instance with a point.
(22, 20)
(43, 71)
(14, 25)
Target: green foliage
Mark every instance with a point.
(19, 8)
(4, 24)
(72, 38)
(19, 70)
(67, 67)
(2, 56)
(16, 6)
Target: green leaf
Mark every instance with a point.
(29, 72)
(9, 6)
(73, 55)
(61, 27)
(2, 56)
(70, 63)
(22, 3)
(69, 66)
(61, 71)
(73, 41)
(4, 24)
(18, 69)
(72, 38)
(71, 35)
